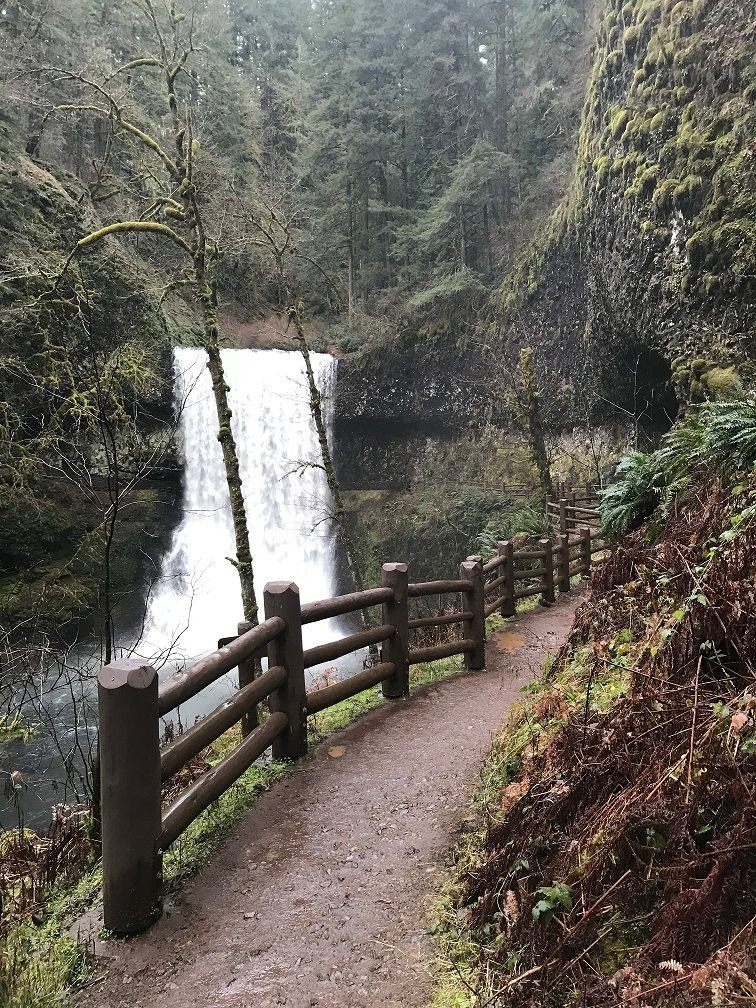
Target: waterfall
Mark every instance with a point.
(197, 599)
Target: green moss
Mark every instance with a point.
(735, 247)
(726, 145)
(601, 166)
(618, 122)
(688, 194)
(630, 38)
(648, 11)
(659, 121)
(664, 193)
(723, 383)
(648, 177)
(709, 283)
(672, 130)
(691, 56)
(613, 62)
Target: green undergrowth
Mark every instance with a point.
(588, 863)
(40, 960)
(13, 728)
(547, 704)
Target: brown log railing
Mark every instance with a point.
(136, 829)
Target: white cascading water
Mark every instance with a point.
(197, 598)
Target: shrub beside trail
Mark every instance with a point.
(609, 858)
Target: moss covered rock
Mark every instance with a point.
(655, 244)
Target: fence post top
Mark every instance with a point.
(398, 568)
(133, 672)
(544, 542)
(470, 566)
(281, 588)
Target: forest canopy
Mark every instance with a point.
(405, 147)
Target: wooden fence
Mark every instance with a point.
(136, 829)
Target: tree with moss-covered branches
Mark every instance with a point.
(165, 187)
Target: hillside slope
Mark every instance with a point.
(609, 860)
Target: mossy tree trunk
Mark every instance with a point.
(316, 409)
(243, 560)
(185, 208)
(531, 408)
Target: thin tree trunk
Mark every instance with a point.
(205, 261)
(243, 559)
(533, 422)
(316, 409)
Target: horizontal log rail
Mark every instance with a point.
(209, 728)
(318, 700)
(567, 514)
(424, 588)
(434, 621)
(529, 575)
(494, 606)
(418, 656)
(183, 686)
(496, 583)
(493, 564)
(131, 701)
(347, 645)
(341, 605)
(592, 512)
(196, 798)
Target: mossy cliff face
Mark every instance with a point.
(654, 248)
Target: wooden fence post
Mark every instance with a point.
(281, 598)
(564, 563)
(547, 596)
(585, 550)
(563, 516)
(506, 549)
(472, 571)
(249, 720)
(127, 698)
(396, 614)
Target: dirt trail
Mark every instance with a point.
(319, 897)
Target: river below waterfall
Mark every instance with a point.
(196, 600)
